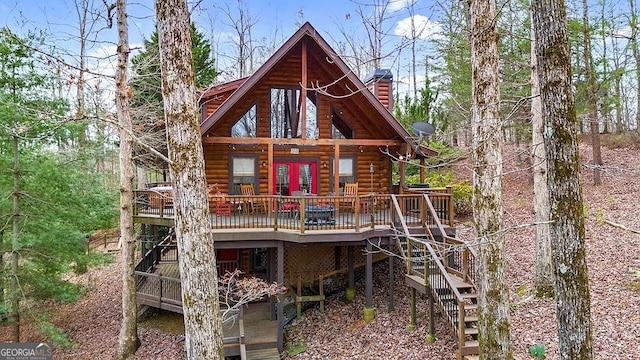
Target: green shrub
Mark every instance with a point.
(54, 334)
(462, 190)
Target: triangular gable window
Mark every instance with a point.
(339, 127)
(247, 125)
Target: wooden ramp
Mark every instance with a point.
(260, 332)
(257, 332)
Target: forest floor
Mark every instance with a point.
(613, 250)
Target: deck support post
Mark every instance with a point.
(350, 293)
(350, 267)
(369, 313)
(272, 278)
(390, 302)
(280, 296)
(432, 331)
(337, 256)
(369, 276)
(412, 310)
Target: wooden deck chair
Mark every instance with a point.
(350, 193)
(252, 205)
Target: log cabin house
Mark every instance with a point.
(299, 157)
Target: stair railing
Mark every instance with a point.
(460, 258)
(422, 260)
(153, 256)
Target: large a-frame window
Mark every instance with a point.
(286, 120)
(247, 125)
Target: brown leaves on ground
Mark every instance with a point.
(340, 333)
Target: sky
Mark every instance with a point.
(275, 21)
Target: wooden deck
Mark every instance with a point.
(162, 290)
(311, 215)
(415, 220)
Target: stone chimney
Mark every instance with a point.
(380, 83)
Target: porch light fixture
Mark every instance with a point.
(264, 164)
(324, 164)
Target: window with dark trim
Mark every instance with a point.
(258, 259)
(243, 170)
(347, 172)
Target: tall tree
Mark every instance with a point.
(14, 287)
(635, 49)
(544, 271)
(591, 95)
(455, 51)
(128, 341)
(493, 292)
(146, 103)
(53, 204)
(244, 44)
(567, 228)
(515, 72)
(203, 326)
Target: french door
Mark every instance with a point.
(298, 176)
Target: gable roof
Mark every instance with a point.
(308, 31)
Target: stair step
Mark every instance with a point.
(263, 354)
(463, 286)
(470, 347)
(468, 319)
(471, 331)
(465, 295)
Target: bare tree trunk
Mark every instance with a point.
(3, 273)
(242, 24)
(493, 299)
(633, 43)
(544, 271)
(591, 95)
(81, 9)
(128, 341)
(567, 229)
(15, 244)
(197, 262)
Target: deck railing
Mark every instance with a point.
(297, 213)
(157, 290)
(158, 252)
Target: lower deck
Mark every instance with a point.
(161, 289)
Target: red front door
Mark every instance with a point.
(290, 176)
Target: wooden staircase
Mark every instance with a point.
(442, 268)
